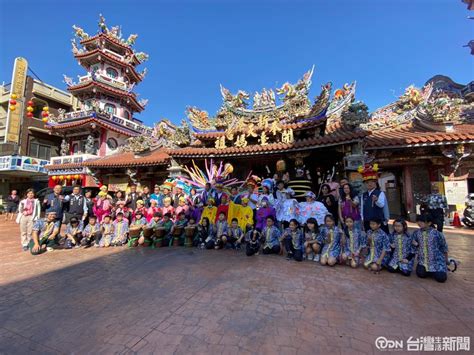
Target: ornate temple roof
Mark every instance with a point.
(130, 159)
(81, 123)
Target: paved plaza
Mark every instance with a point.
(181, 301)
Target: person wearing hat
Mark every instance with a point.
(287, 209)
(120, 207)
(182, 206)
(210, 211)
(102, 206)
(150, 211)
(120, 230)
(167, 207)
(246, 216)
(266, 210)
(267, 193)
(373, 200)
(166, 189)
(140, 208)
(311, 209)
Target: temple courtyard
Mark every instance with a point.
(121, 300)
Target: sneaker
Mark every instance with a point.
(304, 256)
(316, 258)
(289, 257)
(49, 249)
(25, 248)
(310, 257)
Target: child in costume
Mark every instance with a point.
(182, 207)
(45, 234)
(221, 231)
(121, 229)
(287, 209)
(167, 223)
(431, 250)
(329, 241)
(245, 215)
(252, 241)
(353, 242)
(210, 211)
(120, 207)
(311, 239)
(107, 232)
(378, 244)
(150, 212)
(223, 207)
(153, 224)
(402, 256)
(235, 235)
(181, 221)
(91, 233)
(139, 223)
(271, 237)
(293, 239)
(311, 209)
(167, 207)
(140, 209)
(266, 210)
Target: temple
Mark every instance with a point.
(424, 137)
(107, 99)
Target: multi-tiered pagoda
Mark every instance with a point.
(108, 103)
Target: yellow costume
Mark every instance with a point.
(209, 212)
(234, 211)
(245, 217)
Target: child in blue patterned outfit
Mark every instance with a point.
(378, 244)
(402, 257)
(271, 238)
(353, 242)
(431, 249)
(293, 239)
(329, 241)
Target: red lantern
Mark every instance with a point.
(29, 114)
(69, 177)
(45, 114)
(30, 103)
(12, 102)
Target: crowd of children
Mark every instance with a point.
(270, 222)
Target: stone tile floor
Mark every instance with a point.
(181, 301)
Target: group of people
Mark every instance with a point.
(337, 227)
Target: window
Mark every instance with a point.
(126, 114)
(112, 73)
(40, 151)
(109, 108)
(75, 148)
(112, 143)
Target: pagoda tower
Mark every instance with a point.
(107, 103)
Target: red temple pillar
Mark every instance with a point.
(408, 188)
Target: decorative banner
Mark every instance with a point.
(456, 192)
(17, 88)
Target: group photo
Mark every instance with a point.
(266, 177)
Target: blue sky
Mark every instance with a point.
(196, 45)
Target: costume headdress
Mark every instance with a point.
(369, 171)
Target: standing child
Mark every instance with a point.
(401, 243)
(107, 231)
(91, 233)
(252, 239)
(121, 229)
(221, 231)
(73, 234)
(235, 234)
(353, 242)
(271, 236)
(293, 239)
(245, 215)
(287, 209)
(431, 249)
(311, 239)
(378, 244)
(329, 241)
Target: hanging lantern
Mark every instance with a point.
(12, 107)
(61, 177)
(14, 96)
(44, 119)
(30, 103)
(30, 109)
(45, 114)
(69, 177)
(12, 102)
(54, 177)
(76, 177)
(29, 114)
(46, 108)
